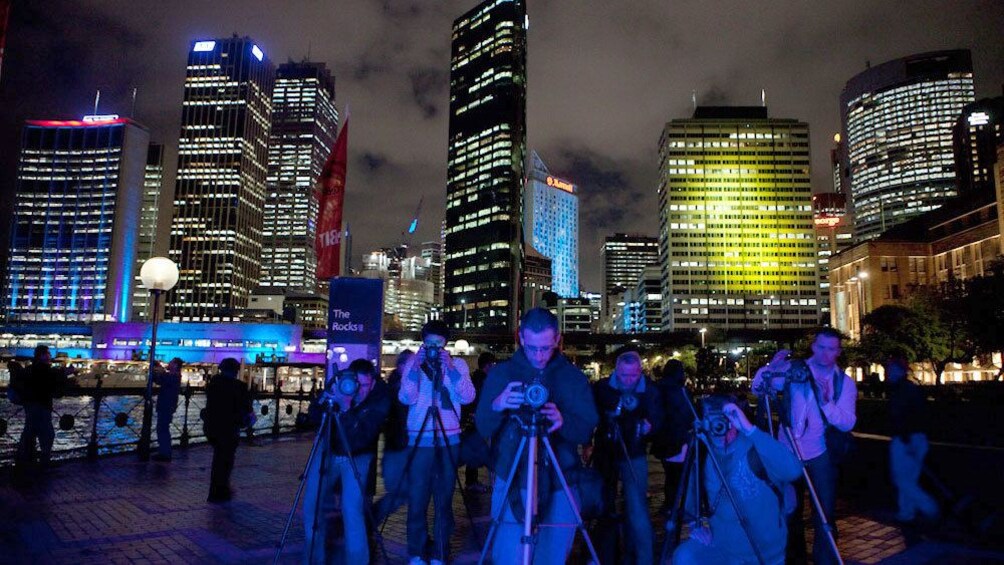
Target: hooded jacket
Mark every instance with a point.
(568, 389)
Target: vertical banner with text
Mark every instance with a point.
(355, 317)
(331, 199)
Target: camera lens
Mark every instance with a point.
(348, 383)
(717, 425)
(535, 395)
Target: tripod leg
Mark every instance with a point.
(456, 473)
(503, 498)
(674, 522)
(817, 504)
(570, 497)
(299, 493)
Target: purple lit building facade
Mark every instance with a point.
(76, 219)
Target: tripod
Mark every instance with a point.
(439, 441)
(692, 464)
(784, 426)
(316, 448)
(531, 434)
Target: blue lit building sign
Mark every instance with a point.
(257, 52)
(204, 46)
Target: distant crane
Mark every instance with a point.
(406, 235)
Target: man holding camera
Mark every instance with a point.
(536, 372)
(757, 468)
(827, 397)
(228, 409)
(630, 410)
(434, 387)
(361, 400)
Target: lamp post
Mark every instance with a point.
(703, 331)
(159, 275)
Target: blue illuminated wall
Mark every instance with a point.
(76, 220)
(551, 225)
(201, 342)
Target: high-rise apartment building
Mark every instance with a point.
(897, 121)
(432, 251)
(486, 153)
(978, 132)
(551, 225)
(736, 238)
(624, 258)
(76, 223)
(153, 185)
(304, 125)
(219, 199)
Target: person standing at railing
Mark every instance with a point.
(39, 384)
(228, 409)
(169, 382)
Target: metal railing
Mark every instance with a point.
(95, 421)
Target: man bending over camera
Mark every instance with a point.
(756, 467)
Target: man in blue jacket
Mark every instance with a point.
(570, 415)
(362, 415)
(757, 468)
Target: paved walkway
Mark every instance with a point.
(118, 510)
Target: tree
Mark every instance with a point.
(931, 328)
(984, 312)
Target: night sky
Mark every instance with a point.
(603, 79)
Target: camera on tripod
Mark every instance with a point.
(347, 382)
(716, 423)
(798, 372)
(535, 394)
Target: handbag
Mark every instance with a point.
(839, 444)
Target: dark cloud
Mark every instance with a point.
(603, 79)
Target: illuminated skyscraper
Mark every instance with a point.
(486, 151)
(624, 257)
(219, 200)
(153, 184)
(834, 233)
(897, 121)
(978, 132)
(304, 124)
(736, 237)
(76, 220)
(551, 224)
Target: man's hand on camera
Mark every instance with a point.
(738, 418)
(509, 399)
(644, 428)
(551, 412)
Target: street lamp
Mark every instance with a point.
(703, 331)
(159, 275)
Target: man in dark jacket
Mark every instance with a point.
(38, 385)
(471, 437)
(669, 442)
(569, 418)
(361, 416)
(228, 409)
(395, 444)
(169, 382)
(629, 408)
(907, 417)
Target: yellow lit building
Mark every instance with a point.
(736, 241)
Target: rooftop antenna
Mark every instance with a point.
(97, 98)
(132, 113)
(763, 97)
(693, 98)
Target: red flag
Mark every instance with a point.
(331, 197)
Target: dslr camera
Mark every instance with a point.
(716, 423)
(798, 373)
(347, 382)
(432, 354)
(535, 394)
(628, 402)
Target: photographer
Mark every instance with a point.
(362, 413)
(669, 442)
(228, 409)
(907, 417)
(824, 397)
(757, 467)
(570, 415)
(629, 407)
(434, 386)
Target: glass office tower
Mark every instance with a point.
(551, 225)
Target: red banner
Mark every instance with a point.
(331, 197)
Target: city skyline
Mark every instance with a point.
(611, 156)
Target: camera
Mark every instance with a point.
(716, 423)
(798, 373)
(628, 402)
(535, 394)
(432, 353)
(347, 383)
